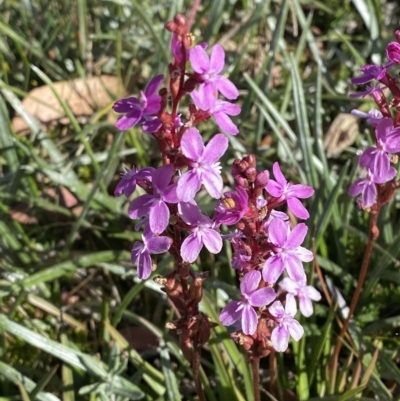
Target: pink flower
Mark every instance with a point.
(141, 251)
(305, 293)
(205, 99)
(203, 232)
(393, 52)
(204, 165)
(232, 208)
(156, 204)
(141, 111)
(287, 254)
(209, 68)
(287, 325)
(252, 297)
(283, 191)
(127, 185)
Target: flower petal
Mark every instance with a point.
(231, 313)
(212, 181)
(278, 232)
(227, 88)
(294, 268)
(277, 310)
(192, 144)
(215, 149)
(296, 237)
(225, 123)
(159, 217)
(188, 186)
(306, 306)
(280, 338)
(249, 320)
(199, 59)
(217, 59)
(153, 85)
(144, 265)
(250, 282)
(191, 248)
(140, 206)
(295, 329)
(262, 297)
(162, 177)
(212, 240)
(273, 268)
(158, 245)
(297, 208)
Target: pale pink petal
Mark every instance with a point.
(217, 59)
(274, 189)
(278, 232)
(156, 245)
(227, 88)
(231, 313)
(280, 338)
(212, 240)
(277, 310)
(159, 217)
(215, 149)
(188, 186)
(273, 268)
(192, 144)
(297, 208)
(199, 59)
(296, 237)
(295, 329)
(144, 265)
(304, 254)
(289, 285)
(294, 268)
(250, 282)
(290, 306)
(279, 177)
(191, 248)
(213, 183)
(306, 306)
(249, 320)
(262, 297)
(300, 191)
(225, 123)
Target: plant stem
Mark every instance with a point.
(255, 365)
(196, 374)
(372, 236)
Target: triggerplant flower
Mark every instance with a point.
(205, 99)
(202, 230)
(286, 252)
(252, 297)
(283, 191)
(155, 204)
(305, 293)
(141, 111)
(204, 163)
(127, 185)
(141, 251)
(287, 325)
(208, 70)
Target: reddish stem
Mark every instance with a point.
(255, 366)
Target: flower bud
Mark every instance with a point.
(251, 160)
(393, 52)
(170, 26)
(251, 174)
(262, 179)
(180, 19)
(397, 35)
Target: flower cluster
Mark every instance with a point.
(265, 245)
(377, 185)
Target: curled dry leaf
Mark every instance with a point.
(341, 134)
(83, 96)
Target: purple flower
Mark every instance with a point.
(275, 214)
(232, 208)
(127, 185)
(141, 251)
(206, 100)
(202, 230)
(305, 293)
(387, 136)
(283, 191)
(375, 90)
(286, 252)
(208, 70)
(366, 188)
(252, 297)
(287, 325)
(370, 72)
(393, 52)
(205, 168)
(373, 116)
(155, 204)
(141, 111)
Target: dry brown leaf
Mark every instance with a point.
(18, 214)
(341, 134)
(83, 97)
